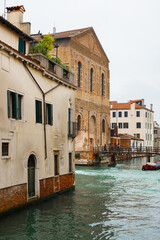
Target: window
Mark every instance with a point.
(70, 121)
(38, 111)
(120, 125)
(125, 125)
(102, 84)
(126, 114)
(5, 149)
(56, 165)
(70, 162)
(79, 75)
(138, 124)
(49, 114)
(119, 114)
(103, 125)
(14, 105)
(91, 80)
(114, 114)
(137, 113)
(79, 123)
(155, 131)
(138, 135)
(146, 115)
(51, 67)
(22, 46)
(114, 124)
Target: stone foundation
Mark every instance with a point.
(16, 196)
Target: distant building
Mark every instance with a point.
(36, 119)
(81, 50)
(156, 135)
(133, 118)
(126, 141)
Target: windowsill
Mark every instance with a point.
(5, 157)
(19, 120)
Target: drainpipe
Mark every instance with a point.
(44, 107)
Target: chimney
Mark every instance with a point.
(15, 16)
(151, 107)
(54, 30)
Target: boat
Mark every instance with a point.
(151, 166)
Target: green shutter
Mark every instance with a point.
(45, 113)
(50, 114)
(19, 107)
(21, 45)
(8, 98)
(38, 106)
(24, 47)
(69, 120)
(14, 106)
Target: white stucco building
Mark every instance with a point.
(37, 108)
(133, 118)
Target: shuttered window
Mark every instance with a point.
(14, 105)
(38, 111)
(49, 114)
(22, 46)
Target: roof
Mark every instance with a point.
(15, 29)
(68, 35)
(16, 8)
(128, 136)
(115, 105)
(60, 35)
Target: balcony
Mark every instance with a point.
(54, 68)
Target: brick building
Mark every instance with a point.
(81, 50)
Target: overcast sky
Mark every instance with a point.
(129, 31)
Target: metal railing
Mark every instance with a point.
(120, 150)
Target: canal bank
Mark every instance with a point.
(115, 203)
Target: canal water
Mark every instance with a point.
(107, 203)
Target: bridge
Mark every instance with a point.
(124, 151)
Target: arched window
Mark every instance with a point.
(91, 80)
(79, 75)
(102, 84)
(103, 125)
(31, 176)
(79, 123)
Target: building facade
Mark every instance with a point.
(156, 135)
(36, 119)
(133, 118)
(81, 50)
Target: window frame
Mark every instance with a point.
(138, 125)
(8, 155)
(38, 111)
(15, 102)
(125, 113)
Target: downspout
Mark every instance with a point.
(44, 107)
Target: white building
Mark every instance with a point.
(133, 118)
(156, 135)
(36, 119)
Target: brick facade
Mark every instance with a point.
(91, 106)
(16, 196)
(12, 197)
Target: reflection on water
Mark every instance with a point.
(115, 203)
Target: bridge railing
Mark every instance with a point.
(120, 150)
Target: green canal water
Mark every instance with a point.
(107, 203)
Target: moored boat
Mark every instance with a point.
(151, 166)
